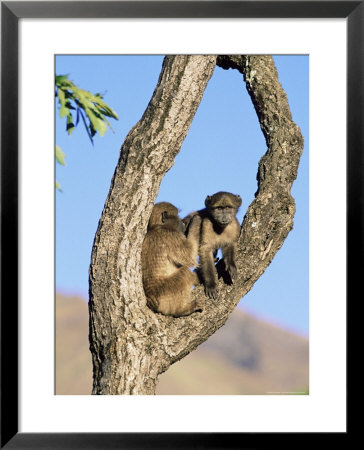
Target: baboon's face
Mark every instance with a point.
(223, 215)
(174, 222)
(222, 207)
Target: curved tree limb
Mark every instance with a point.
(130, 344)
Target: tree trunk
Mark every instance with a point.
(130, 344)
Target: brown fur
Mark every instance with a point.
(219, 229)
(167, 255)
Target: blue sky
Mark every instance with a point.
(220, 152)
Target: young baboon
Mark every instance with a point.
(167, 255)
(220, 229)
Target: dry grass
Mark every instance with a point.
(246, 356)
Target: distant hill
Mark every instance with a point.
(246, 356)
(73, 358)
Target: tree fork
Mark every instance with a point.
(130, 344)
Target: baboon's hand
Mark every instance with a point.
(196, 220)
(211, 291)
(188, 219)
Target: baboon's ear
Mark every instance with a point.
(239, 200)
(164, 216)
(207, 200)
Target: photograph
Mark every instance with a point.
(181, 203)
(182, 224)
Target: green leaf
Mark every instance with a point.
(58, 187)
(105, 109)
(63, 110)
(97, 120)
(61, 79)
(70, 125)
(71, 97)
(60, 156)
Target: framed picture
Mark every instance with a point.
(28, 342)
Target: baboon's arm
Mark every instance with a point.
(229, 252)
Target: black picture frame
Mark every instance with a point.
(11, 12)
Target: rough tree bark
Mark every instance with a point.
(131, 345)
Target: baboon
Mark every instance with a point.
(167, 255)
(219, 229)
